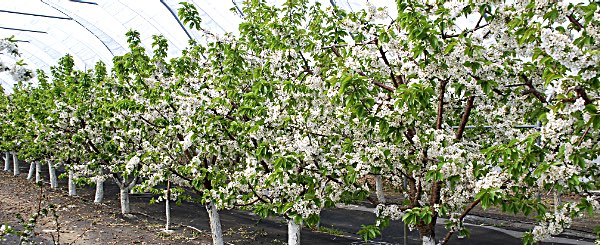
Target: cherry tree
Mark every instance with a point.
(19, 73)
(188, 140)
(417, 83)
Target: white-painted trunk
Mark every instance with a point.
(293, 233)
(124, 195)
(168, 214)
(38, 172)
(7, 158)
(16, 170)
(427, 240)
(379, 189)
(72, 186)
(52, 173)
(31, 171)
(215, 224)
(168, 206)
(99, 190)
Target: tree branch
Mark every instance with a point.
(582, 94)
(149, 123)
(379, 84)
(477, 27)
(387, 62)
(533, 90)
(460, 219)
(516, 85)
(133, 183)
(186, 179)
(583, 136)
(575, 22)
(257, 195)
(465, 117)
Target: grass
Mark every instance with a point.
(331, 231)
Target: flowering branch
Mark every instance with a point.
(460, 219)
(440, 112)
(580, 94)
(379, 84)
(477, 27)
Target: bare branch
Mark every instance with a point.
(575, 22)
(583, 136)
(533, 90)
(387, 62)
(465, 117)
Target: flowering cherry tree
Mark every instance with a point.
(420, 81)
(183, 137)
(20, 74)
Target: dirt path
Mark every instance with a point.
(81, 221)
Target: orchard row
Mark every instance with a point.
(294, 113)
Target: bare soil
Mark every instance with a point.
(83, 222)
(80, 220)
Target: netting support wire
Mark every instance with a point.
(36, 15)
(487, 127)
(235, 4)
(84, 24)
(24, 30)
(176, 18)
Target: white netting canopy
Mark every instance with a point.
(94, 30)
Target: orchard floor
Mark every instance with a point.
(83, 222)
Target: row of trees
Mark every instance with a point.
(291, 115)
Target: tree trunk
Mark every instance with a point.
(72, 187)
(31, 171)
(379, 189)
(427, 232)
(168, 206)
(293, 233)
(38, 172)
(215, 224)
(52, 172)
(124, 187)
(557, 201)
(16, 170)
(427, 240)
(7, 161)
(124, 194)
(99, 190)
(167, 214)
